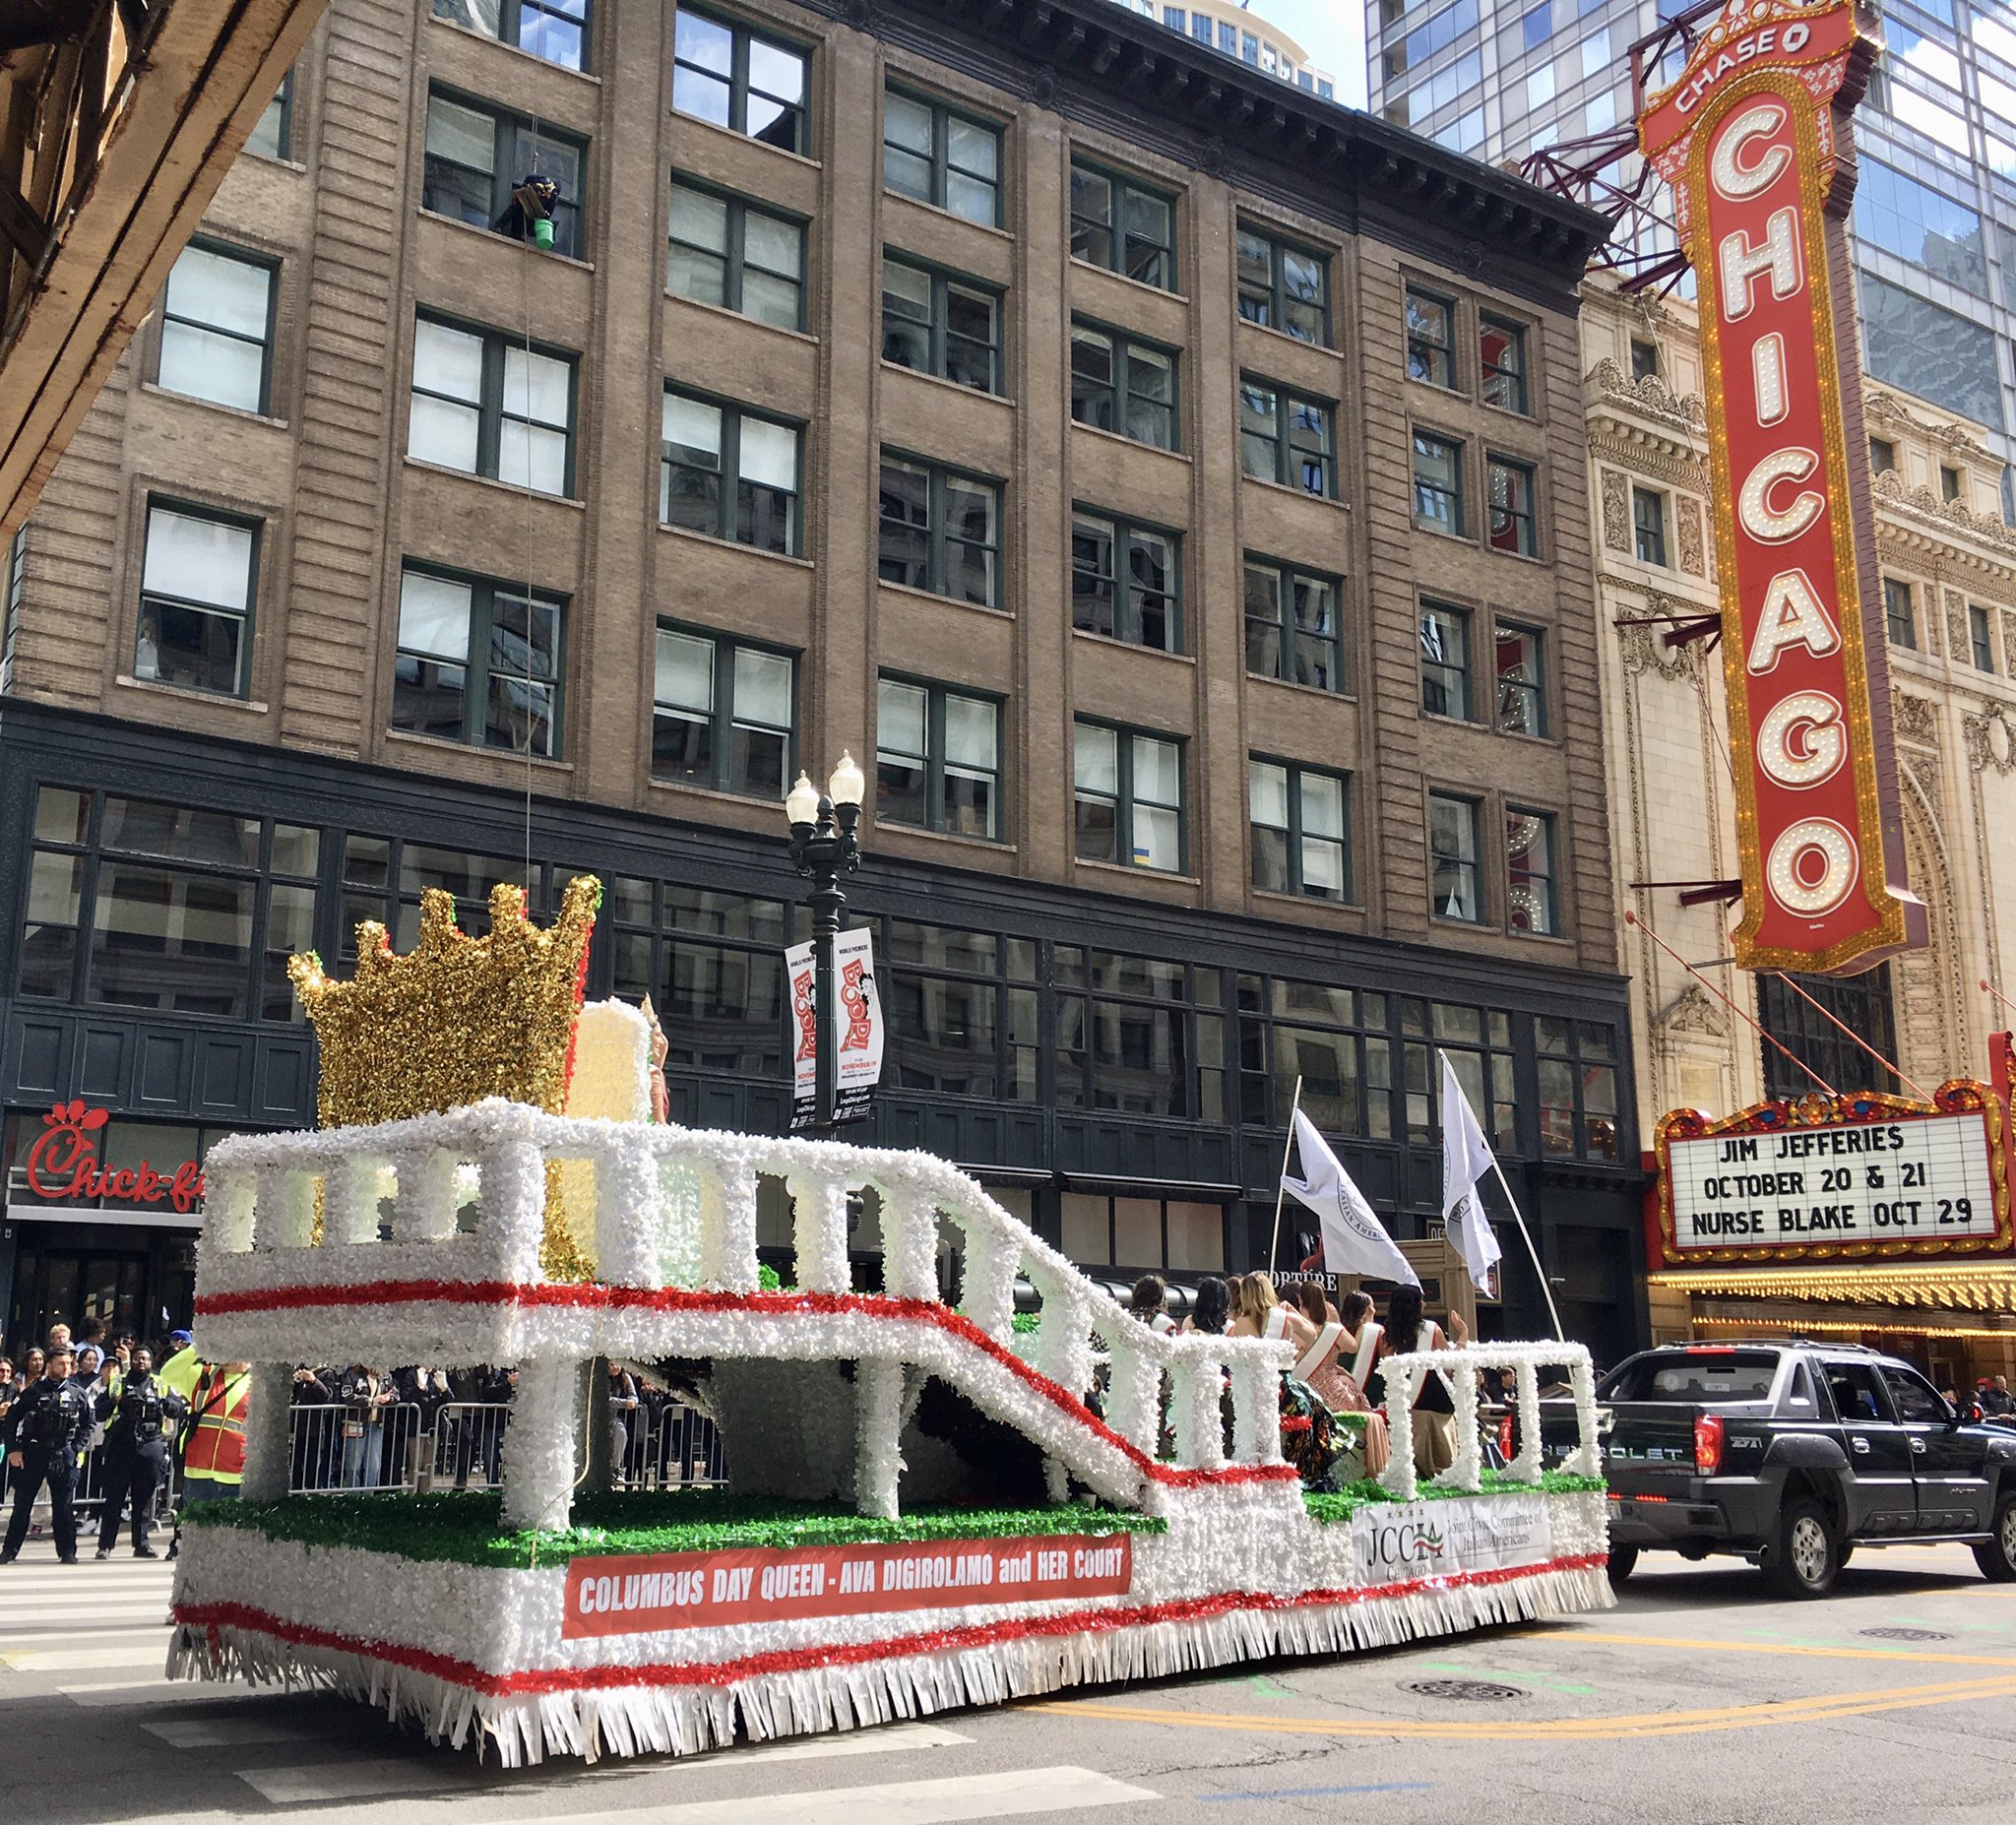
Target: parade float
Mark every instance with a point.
(924, 1508)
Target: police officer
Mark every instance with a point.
(46, 1434)
(136, 1451)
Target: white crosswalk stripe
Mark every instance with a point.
(102, 1693)
(321, 1783)
(153, 1653)
(229, 1732)
(143, 1628)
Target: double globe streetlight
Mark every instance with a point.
(824, 846)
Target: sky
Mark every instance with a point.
(1333, 32)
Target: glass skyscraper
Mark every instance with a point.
(1935, 214)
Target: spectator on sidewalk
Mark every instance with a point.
(315, 1435)
(622, 1407)
(364, 1397)
(45, 1440)
(136, 1453)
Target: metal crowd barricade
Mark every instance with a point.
(468, 1444)
(681, 1449)
(332, 1449)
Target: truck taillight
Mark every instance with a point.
(1505, 1449)
(1708, 1443)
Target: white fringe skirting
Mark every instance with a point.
(653, 1718)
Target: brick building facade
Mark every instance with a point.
(1175, 484)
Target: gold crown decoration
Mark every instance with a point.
(455, 1020)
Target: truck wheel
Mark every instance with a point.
(1804, 1557)
(1624, 1562)
(1996, 1556)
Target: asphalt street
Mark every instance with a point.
(1698, 1699)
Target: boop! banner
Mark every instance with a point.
(639, 1593)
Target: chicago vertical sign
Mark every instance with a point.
(1754, 139)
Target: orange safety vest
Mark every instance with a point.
(217, 1433)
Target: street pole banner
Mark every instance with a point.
(639, 1593)
(858, 1020)
(1754, 137)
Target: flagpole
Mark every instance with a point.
(1540, 1273)
(1281, 1184)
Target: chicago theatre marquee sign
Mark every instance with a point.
(1754, 139)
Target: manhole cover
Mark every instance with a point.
(1475, 1692)
(1907, 1634)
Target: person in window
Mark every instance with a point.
(528, 215)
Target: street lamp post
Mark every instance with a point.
(824, 846)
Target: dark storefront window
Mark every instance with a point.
(1577, 1087)
(1478, 1041)
(167, 906)
(962, 1008)
(1143, 1233)
(1861, 1003)
(1138, 1035)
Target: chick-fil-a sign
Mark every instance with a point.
(63, 1166)
(634, 1594)
(1748, 139)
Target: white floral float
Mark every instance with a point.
(544, 1635)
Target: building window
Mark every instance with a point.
(937, 759)
(1981, 638)
(1882, 456)
(1123, 226)
(477, 154)
(274, 134)
(1283, 286)
(197, 585)
(186, 910)
(1513, 524)
(1501, 351)
(1293, 626)
(1861, 1003)
(1333, 1041)
(1578, 1085)
(1138, 1035)
(1123, 386)
(554, 29)
(1126, 581)
(1648, 521)
(1300, 830)
(1522, 690)
(740, 80)
(1478, 1044)
(1132, 1234)
(729, 473)
(1445, 662)
(723, 715)
(729, 252)
(217, 328)
(1530, 873)
(479, 662)
(1437, 483)
(1644, 359)
(1949, 482)
(957, 1028)
(484, 403)
(941, 531)
(1453, 854)
(1431, 338)
(1129, 804)
(1898, 618)
(1288, 439)
(942, 158)
(939, 324)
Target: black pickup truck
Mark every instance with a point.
(1792, 1454)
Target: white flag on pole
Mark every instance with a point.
(1466, 1158)
(1354, 1240)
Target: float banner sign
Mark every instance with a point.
(1401, 1543)
(1752, 138)
(642, 1594)
(1848, 1177)
(858, 1019)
